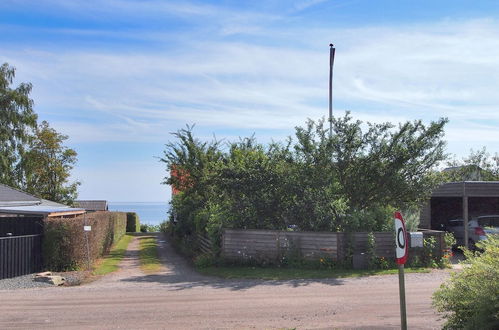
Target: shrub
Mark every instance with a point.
(145, 228)
(64, 246)
(57, 247)
(205, 260)
(132, 222)
(470, 299)
(372, 260)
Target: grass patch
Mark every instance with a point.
(110, 262)
(149, 256)
(240, 272)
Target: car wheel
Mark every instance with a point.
(471, 245)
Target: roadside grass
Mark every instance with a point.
(110, 262)
(274, 273)
(148, 254)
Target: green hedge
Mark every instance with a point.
(132, 222)
(64, 244)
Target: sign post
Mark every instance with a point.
(401, 253)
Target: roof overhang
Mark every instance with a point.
(468, 189)
(45, 211)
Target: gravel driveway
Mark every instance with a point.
(179, 298)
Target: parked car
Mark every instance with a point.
(478, 229)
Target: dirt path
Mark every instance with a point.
(178, 298)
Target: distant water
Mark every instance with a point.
(149, 213)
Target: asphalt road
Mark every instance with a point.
(178, 298)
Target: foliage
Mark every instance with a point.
(65, 243)
(132, 222)
(371, 251)
(111, 261)
(351, 181)
(17, 122)
(147, 228)
(477, 166)
(470, 299)
(47, 166)
(449, 241)
(57, 247)
(429, 258)
(32, 157)
(205, 260)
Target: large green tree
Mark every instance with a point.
(47, 166)
(345, 182)
(17, 122)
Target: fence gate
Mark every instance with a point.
(20, 255)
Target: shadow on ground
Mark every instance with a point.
(180, 275)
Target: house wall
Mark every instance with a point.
(19, 225)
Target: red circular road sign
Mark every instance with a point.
(401, 248)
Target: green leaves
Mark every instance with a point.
(47, 166)
(349, 181)
(17, 122)
(470, 299)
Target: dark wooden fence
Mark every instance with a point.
(20, 255)
(273, 244)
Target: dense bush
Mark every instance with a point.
(470, 299)
(132, 222)
(348, 182)
(64, 244)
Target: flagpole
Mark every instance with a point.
(331, 63)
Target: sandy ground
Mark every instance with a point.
(178, 298)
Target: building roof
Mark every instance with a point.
(92, 205)
(46, 202)
(49, 211)
(11, 197)
(468, 188)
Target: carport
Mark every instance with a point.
(460, 200)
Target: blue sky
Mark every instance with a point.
(118, 76)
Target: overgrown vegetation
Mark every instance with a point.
(148, 254)
(147, 228)
(349, 182)
(470, 299)
(111, 261)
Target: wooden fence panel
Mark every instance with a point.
(20, 255)
(272, 244)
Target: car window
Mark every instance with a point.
(489, 221)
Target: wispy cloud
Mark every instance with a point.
(441, 69)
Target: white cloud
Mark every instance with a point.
(449, 69)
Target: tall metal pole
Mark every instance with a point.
(331, 63)
(403, 315)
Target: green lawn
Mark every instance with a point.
(149, 257)
(110, 262)
(239, 272)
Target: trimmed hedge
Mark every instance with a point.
(132, 222)
(64, 244)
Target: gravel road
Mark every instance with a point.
(178, 298)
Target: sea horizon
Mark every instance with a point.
(151, 213)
